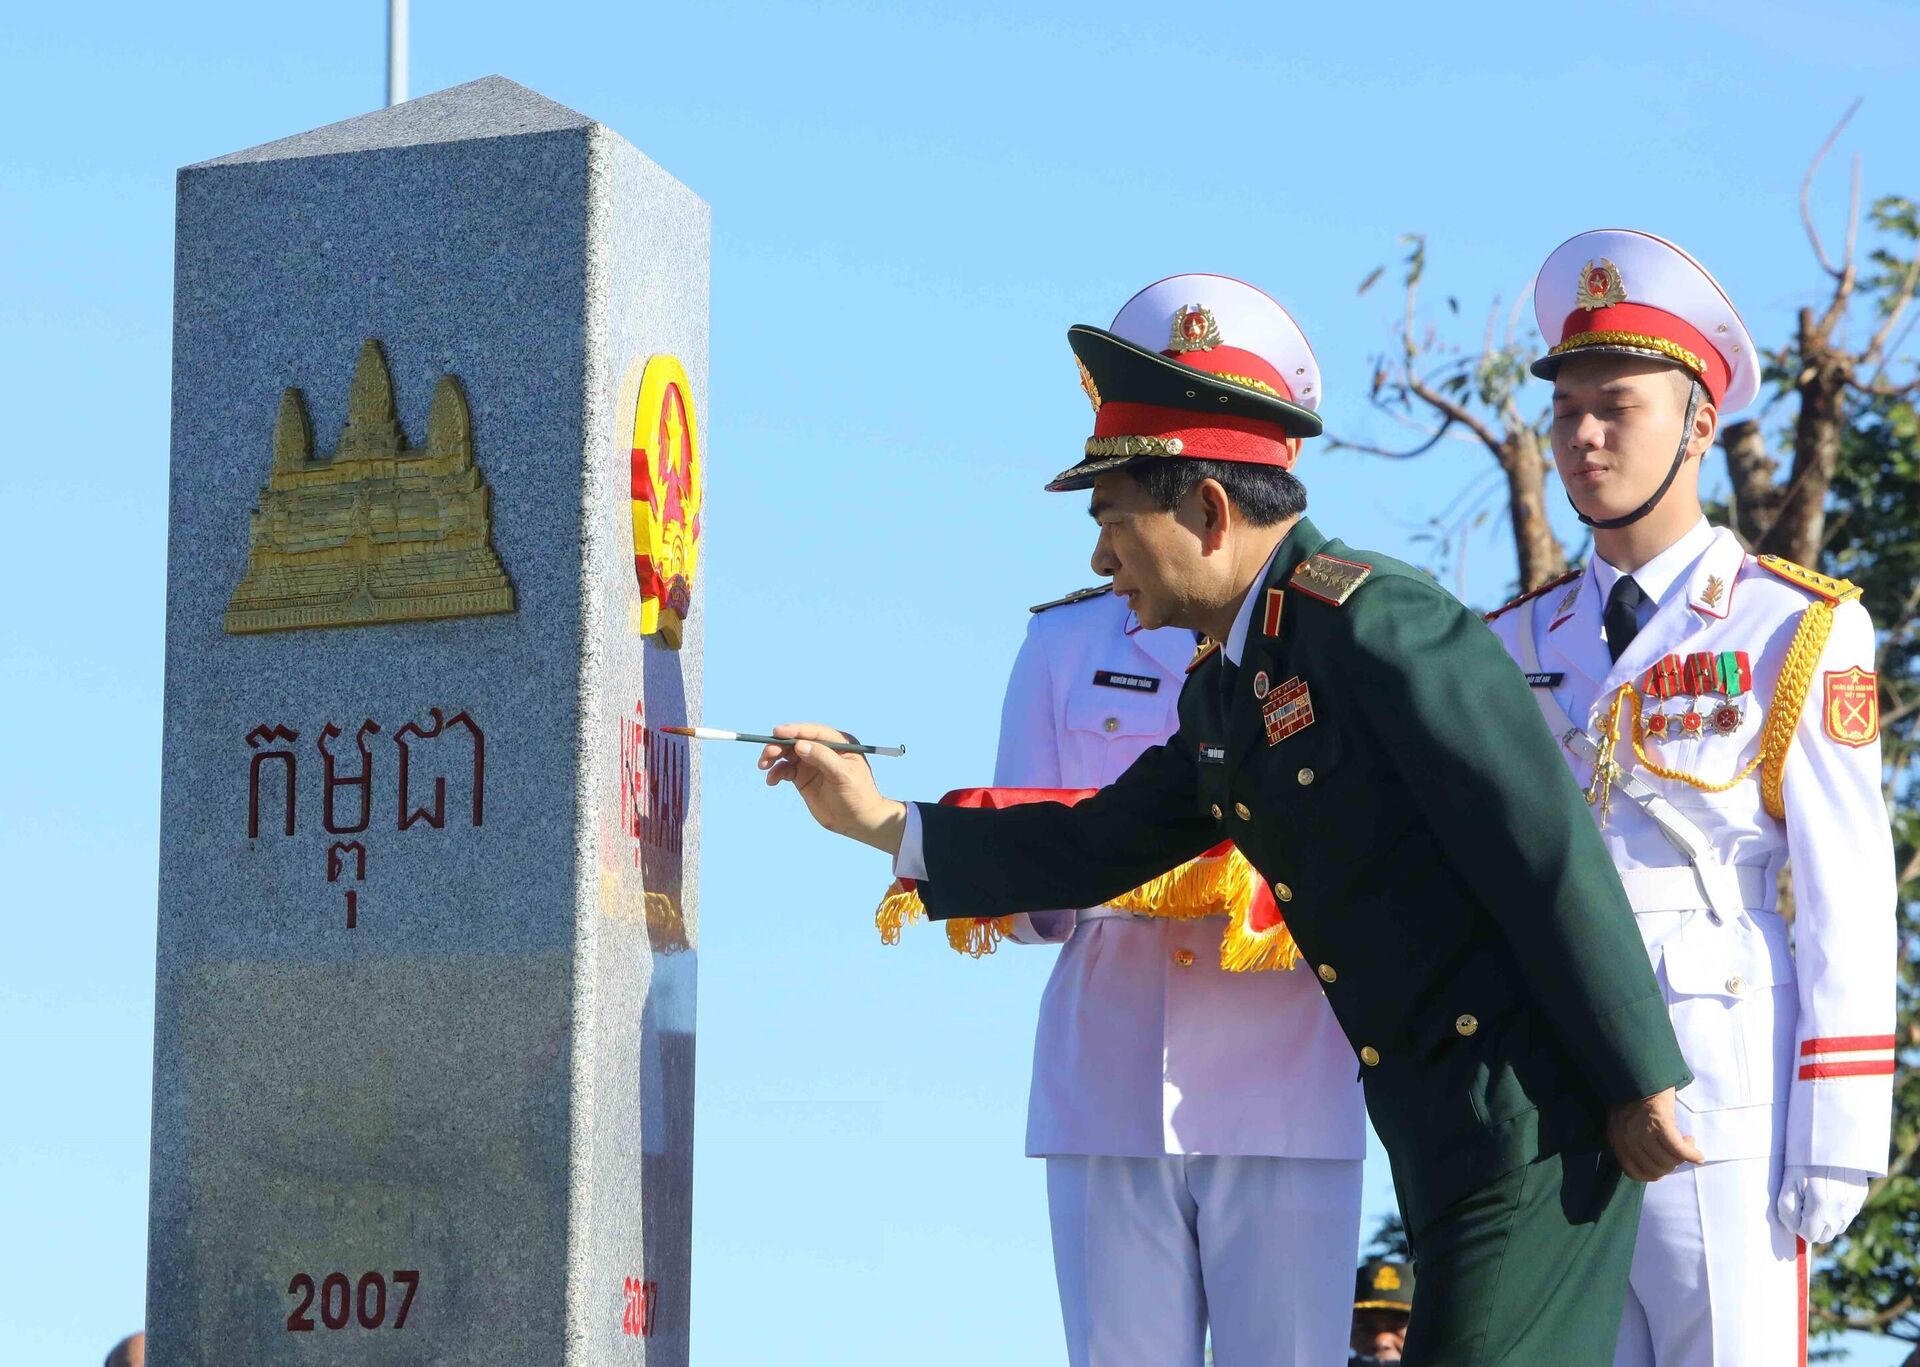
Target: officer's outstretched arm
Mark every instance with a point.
(838, 788)
(1043, 855)
(1469, 741)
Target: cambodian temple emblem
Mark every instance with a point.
(376, 530)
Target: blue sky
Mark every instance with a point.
(911, 204)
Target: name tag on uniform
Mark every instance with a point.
(1212, 754)
(1545, 680)
(1138, 683)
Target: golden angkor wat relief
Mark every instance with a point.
(376, 530)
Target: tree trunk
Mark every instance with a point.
(1756, 495)
(1801, 526)
(1536, 548)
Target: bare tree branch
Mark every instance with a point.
(1368, 449)
(1806, 189)
(1901, 299)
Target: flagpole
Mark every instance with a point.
(396, 51)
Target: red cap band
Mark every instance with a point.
(1646, 321)
(1202, 436)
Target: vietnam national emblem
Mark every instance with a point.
(1600, 286)
(1194, 329)
(1853, 706)
(668, 481)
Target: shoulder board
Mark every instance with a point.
(1077, 596)
(1820, 585)
(1550, 585)
(1200, 656)
(1329, 578)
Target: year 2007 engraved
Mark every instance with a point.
(342, 1302)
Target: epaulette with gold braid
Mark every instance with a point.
(1823, 585)
(1551, 584)
(1200, 655)
(1329, 578)
(1077, 596)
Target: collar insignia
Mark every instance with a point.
(1711, 594)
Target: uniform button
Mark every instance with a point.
(1283, 892)
(1112, 723)
(1216, 811)
(1370, 1056)
(1466, 1025)
(1736, 985)
(1305, 776)
(1241, 810)
(1183, 957)
(1327, 973)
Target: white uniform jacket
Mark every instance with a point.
(1146, 1047)
(1792, 1048)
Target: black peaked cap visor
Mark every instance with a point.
(1123, 372)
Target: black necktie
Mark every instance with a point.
(1622, 617)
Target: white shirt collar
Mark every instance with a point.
(1661, 575)
(1236, 642)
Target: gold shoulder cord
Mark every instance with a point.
(1776, 737)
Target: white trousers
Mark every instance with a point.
(1150, 1252)
(1716, 1281)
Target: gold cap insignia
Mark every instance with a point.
(1387, 1279)
(1194, 329)
(1086, 383)
(1599, 287)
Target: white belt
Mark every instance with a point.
(1115, 914)
(1693, 887)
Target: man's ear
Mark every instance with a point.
(1217, 516)
(1706, 425)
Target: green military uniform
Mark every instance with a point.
(1378, 759)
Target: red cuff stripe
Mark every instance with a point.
(1834, 1043)
(1866, 1068)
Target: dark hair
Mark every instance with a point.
(1263, 494)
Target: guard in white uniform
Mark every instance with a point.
(1191, 1179)
(1723, 711)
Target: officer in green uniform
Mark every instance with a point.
(1364, 740)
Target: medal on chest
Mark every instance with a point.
(1286, 709)
(1694, 682)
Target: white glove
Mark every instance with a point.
(1818, 1203)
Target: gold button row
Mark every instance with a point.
(1327, 973)
(1112, 723)
(1466, 1025)
(1370, 1056)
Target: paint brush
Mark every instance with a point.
(845, 747)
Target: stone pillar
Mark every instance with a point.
(423, 1073)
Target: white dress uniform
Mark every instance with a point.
(1790, 1038)
(1191, 1179)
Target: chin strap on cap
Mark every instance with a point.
(1673, 472)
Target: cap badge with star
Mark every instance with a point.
(1194, 329)
(1196, 367)
(1617, 291)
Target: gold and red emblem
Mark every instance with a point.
(1853, 706)
(1086, 383)
(1194, 329)
(668, 482)
(1600, 286)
